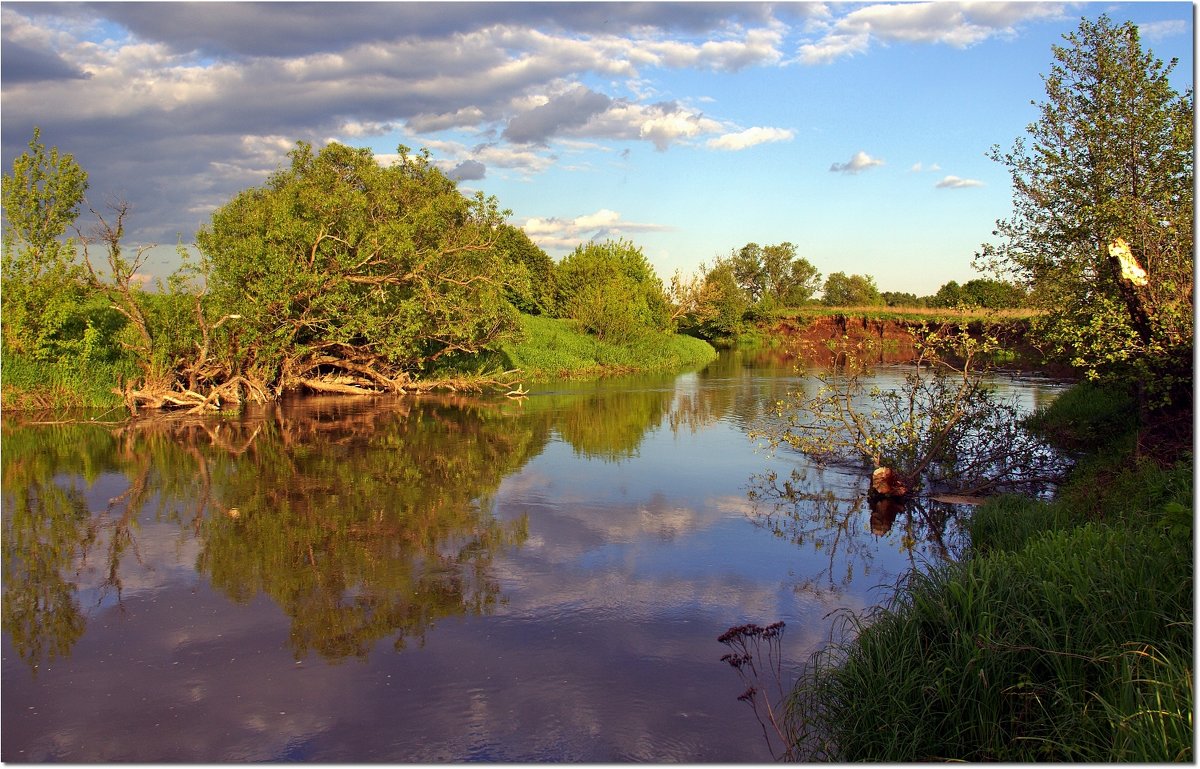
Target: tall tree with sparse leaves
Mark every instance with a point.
(1108, 163)
(43, 279)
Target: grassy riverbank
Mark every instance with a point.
(1067, 635)
(554, 349)
(548, 348)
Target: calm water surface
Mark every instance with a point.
(427, 579)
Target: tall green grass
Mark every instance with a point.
(29, 384)
(1067, 635)
(1077, 647)
(552, 349)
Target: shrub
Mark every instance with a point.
(612, 290)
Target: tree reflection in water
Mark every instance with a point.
(357, 519)
(809, 513)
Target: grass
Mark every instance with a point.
(1066, 636)
(553, 349)
(31, 385)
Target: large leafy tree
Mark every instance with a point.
(342, 274)
(531, 284)
(979, 292)
(1109, 161)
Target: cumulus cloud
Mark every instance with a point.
(173, 89)
(661, 123)
(568, 110)
(468, 170)
(955, 24)
(955, 183)
(749, 138)
(553, 233)
(860, 162)
(24, 63)
(757, 47)
(466, 116)
(1160, 30)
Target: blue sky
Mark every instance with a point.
(859, 132)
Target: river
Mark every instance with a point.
(429, 579)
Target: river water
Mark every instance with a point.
(430, 579)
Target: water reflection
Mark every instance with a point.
(520, 580)
(830, 513)
(359, 523)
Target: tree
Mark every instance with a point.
(342, 275)
(994, 294)
(43, 281)
(1108, 162)
(775, 274)
(531, 282)
(711, 304)
(748, 270)
(612, 290)
(902, 299)
(950, 294)
(842, 290)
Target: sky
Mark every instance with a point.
(860, 132)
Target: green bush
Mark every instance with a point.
(613, 291)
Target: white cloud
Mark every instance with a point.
(460, 118)
(833, 47)
(758, 47)
(662, 123)
(553, 233)
(918, 167)
(750, 137)
(959, 25)
(955, 183)
(860, 162)
(1160, 30)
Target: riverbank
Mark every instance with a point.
(548, 348)
(809, 331)
(553, 349)
(1066, 635)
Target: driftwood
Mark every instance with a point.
(207, 387)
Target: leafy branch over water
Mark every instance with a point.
(944, 429)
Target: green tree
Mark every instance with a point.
(531, 282)
(340, 274)
(711, 304)
(994, 294)
(612, 290)
(44, 289)
(902, 299)
(950, 294)
(842, 290)
(748, 270)
(1109, 161)
(775, 274)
